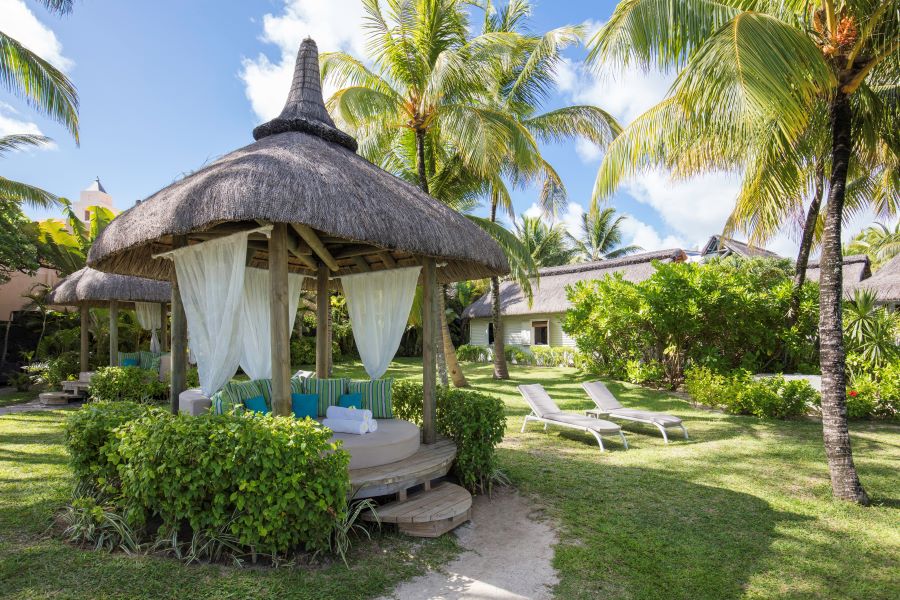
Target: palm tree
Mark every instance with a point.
(747, 76)
(600, 235)
(547, 243)
(45, 88)
(879, 242)
(63, 244)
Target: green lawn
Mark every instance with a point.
(741, 510)
(16, 397)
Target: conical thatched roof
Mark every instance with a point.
(305, 172)
(96, 288)
(885, 282)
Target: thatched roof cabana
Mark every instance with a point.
(88, 288)
(550, 291)
(885, 282)
(310, 205)
(856, 268)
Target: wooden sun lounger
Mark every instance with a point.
(545, 410)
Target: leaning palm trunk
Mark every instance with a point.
(500, 369)
(440, 359)
(844, 480)
(452, 364)
(809, 230)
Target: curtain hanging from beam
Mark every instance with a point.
(379, 304)
(255, 339)
(149, 319)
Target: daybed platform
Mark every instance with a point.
(394, 441)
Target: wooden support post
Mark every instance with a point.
(163, 328)
(179, 337)
(323, 334)
(429, 380)
(85, 336)
(279, 320)
(113, 333)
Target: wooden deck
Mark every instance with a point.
(428, 513)
(430, 462)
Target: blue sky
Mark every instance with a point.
(167, 86)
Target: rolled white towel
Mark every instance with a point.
(373, 425)
(350, 414)
(346, 426)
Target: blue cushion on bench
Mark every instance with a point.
(130, 362)
(351, 400)
(305, 405)
(257, 404)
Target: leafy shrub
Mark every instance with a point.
(473, 420)
(725, 314)
(470, 353)
(553, 356)
(89, 429)
(129, 384)
(876, 394)
(278, 483)
(870, 332)
(50, 372)
(20, 381)
(518, 355)
(650, 372)
(739, 393)
(303, 351)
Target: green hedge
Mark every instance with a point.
(303, 351)
(473, 420)
(129, 384)
(739, 393)
(876, 394)
(274, 483)
(470, 353)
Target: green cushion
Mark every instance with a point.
(265, 388)
(147, 359)
(376, 396)
(135, 356)
(328, 390)
(297, 385)
(305, 405)
(233, 395)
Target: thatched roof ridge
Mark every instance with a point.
(885, 282)
(550, 292)
(299, 177)
(96, 288)
(856, 268)
(718, 244)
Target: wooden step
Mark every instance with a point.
(429, 513)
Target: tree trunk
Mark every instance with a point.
(6, 340)
(809, 230)
(845, 482)
(501, 371)
(440, 320)
(456, 374)
(420, 160)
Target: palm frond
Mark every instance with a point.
(22, 193)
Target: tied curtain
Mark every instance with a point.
(379, 305)
(256, 324)
(149, 318)
(211, 283)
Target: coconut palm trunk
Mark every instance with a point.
(456, 374)
(501, 371)
(844, 479)
(806, 241)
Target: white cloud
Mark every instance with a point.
(21, 24)
(10, 124)
(334, 25)
(534, 211)
(636, 232)
(588, 151)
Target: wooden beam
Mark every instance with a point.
(279, 324)
(361, 263)
(163, 327)
(429, 379)
(356, 250)
(179, 337)
(85, 336)
(323, 337)
(113, 333)
(387, 259)
(309, 236)
(301, 251)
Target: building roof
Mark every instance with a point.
(304, 172)
(856, 268)
(550, 292)
(725, 246)
(95, 288)
(95, 186)
(885, 282)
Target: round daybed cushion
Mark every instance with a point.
(395, 440)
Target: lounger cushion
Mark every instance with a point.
(539, 400)
(598, 425)
(646, 415)
(601, 396)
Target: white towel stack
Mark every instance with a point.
(349, 420)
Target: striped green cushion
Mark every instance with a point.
(147, 359)
(132, 355)
(265, 386)
(233, 394)
(329, 391)
(376, 396)
(298, 385)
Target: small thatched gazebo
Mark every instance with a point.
(88, 288)
(309, 205)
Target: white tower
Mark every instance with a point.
(93, 195)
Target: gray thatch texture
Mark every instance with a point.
(724, 246)
(95, 288)
(856, 268)
(550, 292)
(885, 282)
(300, 171)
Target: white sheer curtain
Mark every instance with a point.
(256, 346)
(211, 283)
(149, 317)
(379, 304)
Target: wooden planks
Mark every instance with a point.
(429, 513)
(430, 462)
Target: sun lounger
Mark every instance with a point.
(608, 406)
(545, 410)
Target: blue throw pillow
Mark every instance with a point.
(305, 405)
(351, 400)
(257, 404)
(130, 362)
